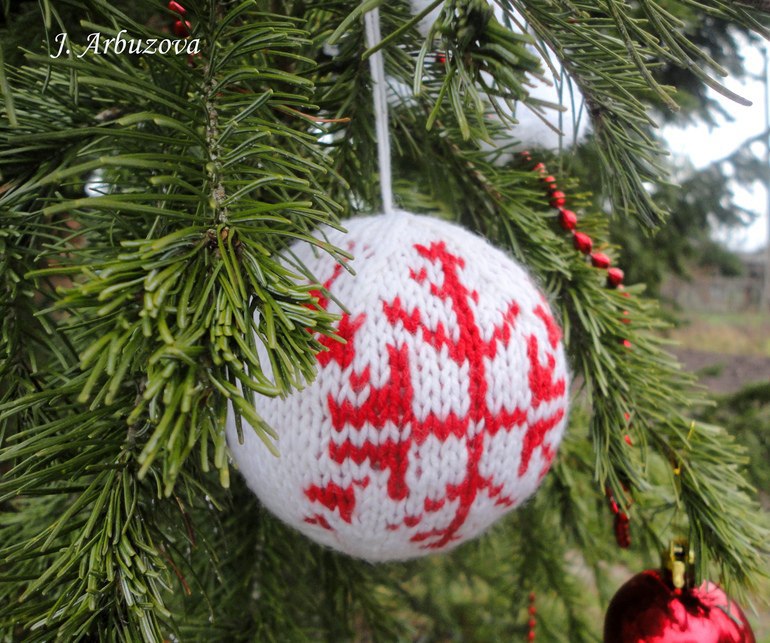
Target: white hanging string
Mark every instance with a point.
(380, 99)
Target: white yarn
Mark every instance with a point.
(380, 99)
(418, 433)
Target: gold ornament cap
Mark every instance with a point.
(679, 562)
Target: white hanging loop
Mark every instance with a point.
(380, 99)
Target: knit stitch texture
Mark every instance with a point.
(441, 412)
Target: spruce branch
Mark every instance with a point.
(175, 303)
(476, 47)
(589, 38)
(761, 5)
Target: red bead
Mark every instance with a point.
(532, 610)
(622, 528)
(177, 8)
(647, 608)
(532, 597)
(440, 59)
(558, 198)
(625, 294)
(626, 343)
(567, 218)
(600, 260)
(550, 180)
(531, 636)
(628, 440)
(614, 277)
(583, 242)
(625, 319)
(182, 29)
(532, 622)
(627, 416)
(540, 167)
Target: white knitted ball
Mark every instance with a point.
(442, 411)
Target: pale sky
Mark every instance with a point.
(704, 145)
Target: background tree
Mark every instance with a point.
(128, 318)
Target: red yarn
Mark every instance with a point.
(393, 402)
(334, 497)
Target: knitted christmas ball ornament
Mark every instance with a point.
(440, 413)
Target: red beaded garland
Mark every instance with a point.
(614, 277)
(182, 29)
(568, 219)
(621, 522)
(532, 622)
(583, 242)
(600, 260)
(558, 198)
(622, 528)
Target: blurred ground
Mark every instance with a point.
(722, 372)
(726, 350)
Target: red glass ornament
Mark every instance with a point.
(600, 260)
(614, 277)
(177, 8)
(568, 219)
(583, 242)
(647, 609)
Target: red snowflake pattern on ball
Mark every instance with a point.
(392, 403)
